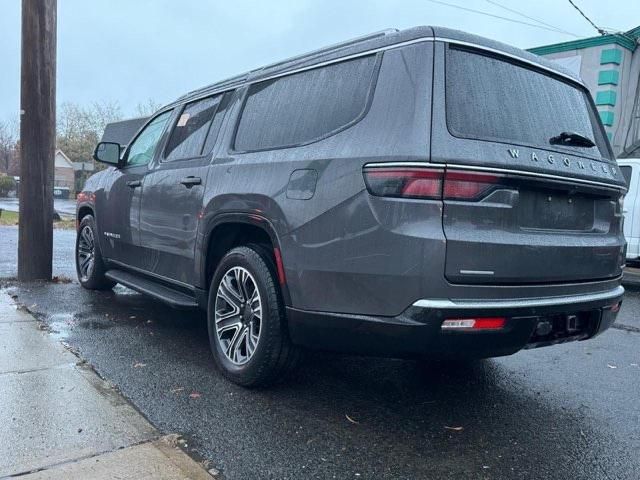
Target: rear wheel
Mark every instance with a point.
(89, 264)
(246, 320)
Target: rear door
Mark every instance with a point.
(520, 208)
(173, 189)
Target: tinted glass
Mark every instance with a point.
(188, 135)
(217, 122)
(626, 173)
(491, 99)
(305, 106)
(144, 146)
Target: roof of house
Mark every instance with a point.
(122, 132)
(371, 42)
(628, 40)
(61, 160)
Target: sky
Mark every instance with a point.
(129, 51)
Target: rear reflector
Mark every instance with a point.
(429, 183)
(487, 323)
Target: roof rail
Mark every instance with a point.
(238, 79)
(335, 46)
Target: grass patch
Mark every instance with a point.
(12, 218)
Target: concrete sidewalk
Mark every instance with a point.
(59, 420)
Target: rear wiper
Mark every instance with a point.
(572, 139)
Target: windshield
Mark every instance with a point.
(493, 99)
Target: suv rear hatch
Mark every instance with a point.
(520, 206)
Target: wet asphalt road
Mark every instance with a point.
(566, 412)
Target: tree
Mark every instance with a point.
(7, 184)
(80, 128)
(148, 108)
(8, 139)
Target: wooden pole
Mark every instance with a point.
(37, 139)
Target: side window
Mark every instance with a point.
(305, 106)
(214, 130)
(144, 146)
(188, 136)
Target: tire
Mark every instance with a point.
(90, 267)
(250, 350)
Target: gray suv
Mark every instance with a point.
(412, 193)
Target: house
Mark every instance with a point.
(609, 65)
(63, 174)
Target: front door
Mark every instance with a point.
(119, 205)
(173, 189)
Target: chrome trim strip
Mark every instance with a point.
(228, 88)
(477, 272)
(150, 274)
(442, 304)
(462, 166)
(424, 164)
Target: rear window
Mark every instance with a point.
(493, 99)
(303, 107)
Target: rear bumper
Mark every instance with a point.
(417, 331)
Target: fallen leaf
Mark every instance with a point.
(60, 279)
(195, 395)
(176, 390)
(611, 366)
(455, 429)
(139, 365)
(351, 420)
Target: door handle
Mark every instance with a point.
(134, 183)
(191, 181)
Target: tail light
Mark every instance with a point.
(423, 183)
(429, 183)
(460, 185)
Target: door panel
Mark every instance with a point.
(119, 209)
(117, 217)
(172, 192)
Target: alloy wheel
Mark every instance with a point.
(238, 315)
(86, 253)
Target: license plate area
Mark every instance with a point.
(565, 327)
(555, 211)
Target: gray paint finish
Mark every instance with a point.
(347, 251)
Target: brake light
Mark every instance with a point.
(486, 323)
(425, 183)
(459, 185)
(429, 183)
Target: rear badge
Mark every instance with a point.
(567, 162)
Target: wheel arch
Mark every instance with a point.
(227, 231)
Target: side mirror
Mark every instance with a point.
(107, 152)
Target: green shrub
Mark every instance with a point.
(7, 184)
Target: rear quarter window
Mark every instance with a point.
(492, 99)
(304, 107)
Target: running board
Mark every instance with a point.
(153, 289)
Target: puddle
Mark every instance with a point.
(95, 325)
(60, 324)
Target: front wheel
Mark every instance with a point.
(89, 264)
(245, 316)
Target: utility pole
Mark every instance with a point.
(37, 139)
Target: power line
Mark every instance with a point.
(497, 16)
(600, 30)
(560, 30)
